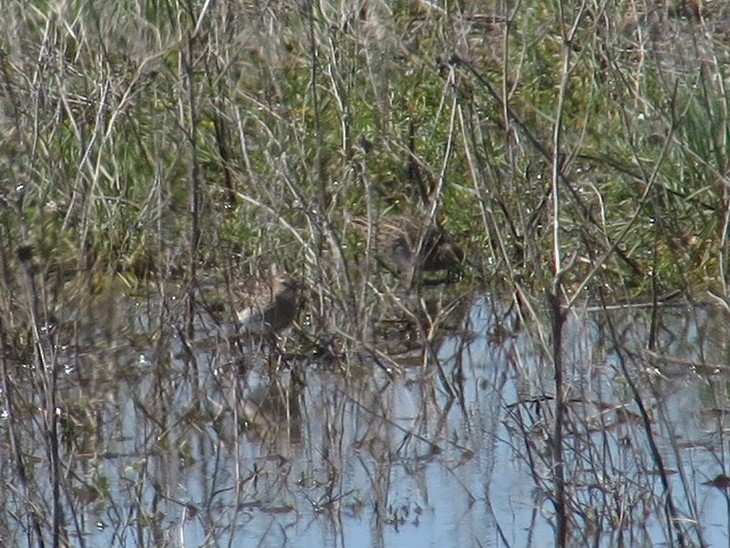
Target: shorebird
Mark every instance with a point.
(269, 305)
(412, 245)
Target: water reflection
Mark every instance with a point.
(172, 440)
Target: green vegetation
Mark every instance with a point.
(191, 133)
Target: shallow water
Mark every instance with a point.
(171, 440)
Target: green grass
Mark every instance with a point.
(277, 121)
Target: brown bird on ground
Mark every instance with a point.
(269, 304)
(412, 245)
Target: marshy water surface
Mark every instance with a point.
(171, 438)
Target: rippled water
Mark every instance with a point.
(177, 440)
